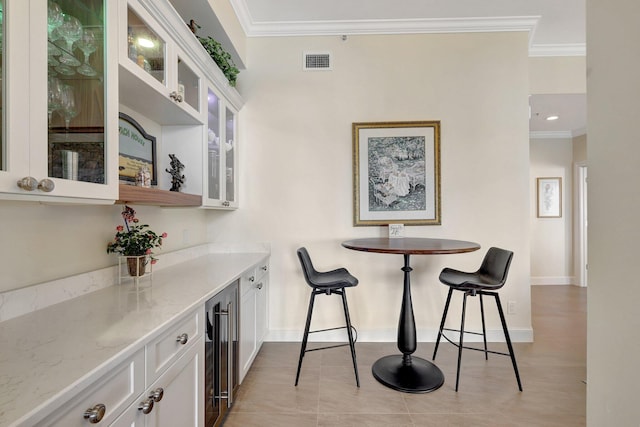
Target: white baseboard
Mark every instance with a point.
(548, 280)
(390, 335)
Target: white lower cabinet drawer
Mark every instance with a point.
(105, 399)
(169, 346)
(175, 399)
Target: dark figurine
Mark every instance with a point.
(193, 26)
(177, 179)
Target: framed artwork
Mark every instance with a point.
(549, 197)
(396, 173)
(137, 149)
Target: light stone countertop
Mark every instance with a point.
(50, 354)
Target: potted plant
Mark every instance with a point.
(221, 57)
(135, 242)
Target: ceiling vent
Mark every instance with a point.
(316, 61)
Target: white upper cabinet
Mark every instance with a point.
(157, 77)
(59, 102)
(168, 77)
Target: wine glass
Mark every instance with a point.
(70, 30)
(69, 108)
(54, 19)
(55, 96)
(87, 44)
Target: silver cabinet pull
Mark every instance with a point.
(95, 414)
(157, 394)
(46, 185)
(146, 406)
(259, 285)
(182, 338)
(252, 278)
(264, 268)
(28, 183)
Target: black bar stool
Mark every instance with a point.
(328, 283)
(491, 276)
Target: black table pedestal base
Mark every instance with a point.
(421, 376)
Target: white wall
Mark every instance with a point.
(551, 238)
(297, 166)
(613, 347)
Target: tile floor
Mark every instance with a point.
(553, 371)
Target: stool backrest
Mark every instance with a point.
(307, 266)
(495, 265)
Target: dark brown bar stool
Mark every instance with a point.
(490, 277)
(328, 283)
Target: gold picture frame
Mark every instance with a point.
(396, 173)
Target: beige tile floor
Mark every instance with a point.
(553, 371)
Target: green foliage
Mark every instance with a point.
(221, 57)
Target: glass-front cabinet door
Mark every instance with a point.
(64, 79)
(145, 48)
(221, 154)
(213, 181)
(231, 154)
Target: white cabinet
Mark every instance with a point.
(60, 108)
(221, 153)
(175, 399)
(253, 314)
(160, 385)
(167, 77)
(157, 77)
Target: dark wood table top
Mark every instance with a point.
(411, 245)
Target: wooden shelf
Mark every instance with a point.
(131, 194)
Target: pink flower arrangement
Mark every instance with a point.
(134, 239)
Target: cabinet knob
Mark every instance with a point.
(175, 96)
(226, 203)
(28, 183)
(157, 394)
(95, 414)
(259, 285)
(146, 406)
(46, 185)
(182, 338)
(252, 278)
(264, 268)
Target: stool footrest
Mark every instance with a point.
(355, 338)
(470, 348)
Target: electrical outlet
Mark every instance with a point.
(511, 307)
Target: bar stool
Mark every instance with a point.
(328, 283)
(491, 276)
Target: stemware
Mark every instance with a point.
(87, 44)
(69, 108)
(54, 19)
(70, 30)
(55, 96)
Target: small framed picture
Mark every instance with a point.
(396, 231)
(549, 197)
(137, 150)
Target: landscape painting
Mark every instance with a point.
(397, 173)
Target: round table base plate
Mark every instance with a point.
(421, 376)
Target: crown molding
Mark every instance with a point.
(559, 134)
(565, 49)
(404, 26)
(388, 26)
